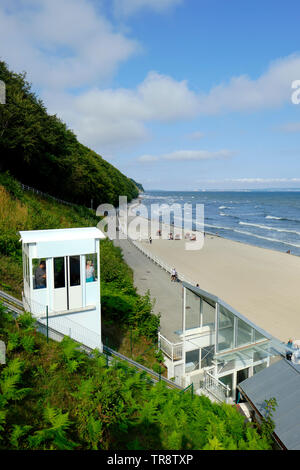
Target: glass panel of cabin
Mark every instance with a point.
(59, 272)
(74, 271)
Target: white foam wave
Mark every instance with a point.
(267, 238)
(267, 227)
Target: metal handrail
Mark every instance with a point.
(16, 307)
(159, 262)
(216, 387)
(170, 352)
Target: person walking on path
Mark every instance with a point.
(173, 275)
(150, 240)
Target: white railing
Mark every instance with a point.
(79, 333)
(172, 350)
(214, 386)
(35, 308)
(62, 324)
(46, 195)
(159, 262)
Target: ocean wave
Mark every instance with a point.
(228, 215)
(218, 227)
(267, 227)
(282, 218)
(266, 238)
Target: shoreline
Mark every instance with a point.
(236, 241)
(211, 234)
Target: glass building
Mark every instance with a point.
(217, 347)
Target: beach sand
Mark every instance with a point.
(263, 285)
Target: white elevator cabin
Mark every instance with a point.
(61, 270)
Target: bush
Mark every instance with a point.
(11, 185)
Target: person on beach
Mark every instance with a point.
(150, 240)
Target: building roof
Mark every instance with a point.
(282, 381)
(84, 233)
(235, 312)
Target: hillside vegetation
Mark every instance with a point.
(53, 396)
(40, 151)
(128, 323)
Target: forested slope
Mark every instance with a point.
(40, 151)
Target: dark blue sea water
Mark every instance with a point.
(266, 219)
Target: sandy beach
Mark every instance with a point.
(262, 284)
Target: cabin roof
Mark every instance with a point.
(65, 234)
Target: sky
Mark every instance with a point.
(177, 94)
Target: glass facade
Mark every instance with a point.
(244, 333)
(192, 360)
(208, 313)
(225, 329)
(192, 310)
(207, 356)
(199, 311)
(228, 345)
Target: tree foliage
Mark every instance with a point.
(39, 150)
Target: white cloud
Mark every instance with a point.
(130, 7)
(108, 119)
(116, 117)
(264, 180)
(61, 43)
(271, 89)
(69, 43)
(187, 155)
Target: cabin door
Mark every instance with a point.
(67, 283)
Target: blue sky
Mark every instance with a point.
(178, 94)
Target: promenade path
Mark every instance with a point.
(167, 294)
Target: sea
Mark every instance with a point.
(268, 219)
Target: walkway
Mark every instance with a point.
(167, 294)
